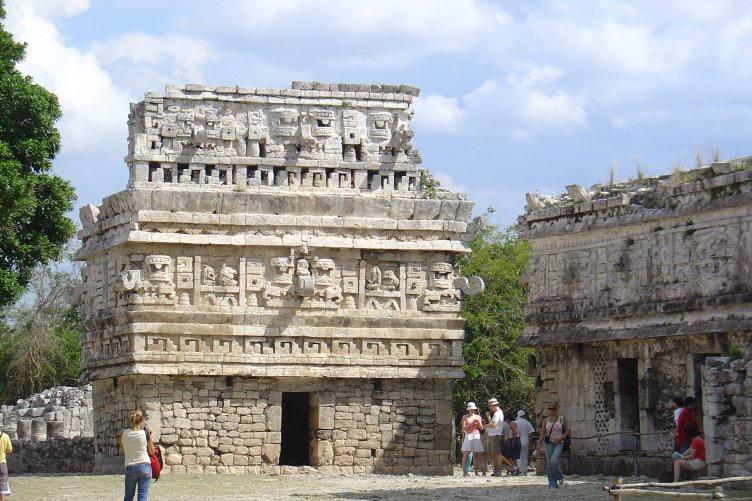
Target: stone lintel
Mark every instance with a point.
(575, 333)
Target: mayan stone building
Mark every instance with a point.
(277, 284)
(632, 286)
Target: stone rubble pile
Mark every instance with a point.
(51, 431)
(60, 412)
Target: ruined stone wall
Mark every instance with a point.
(631, 287)
(60, 412)
(233, 425)
(51, 431)
(55, 455)
(727, 399)
(586, 381)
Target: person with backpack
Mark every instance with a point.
(5, 448)
(553, 433)
(136, 444)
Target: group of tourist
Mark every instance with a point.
(507, 441)
(689, 447)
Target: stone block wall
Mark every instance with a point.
(51, 431)
(56, 455)
(594, 394)
(60, 412)
(727, 398)
(233, 425)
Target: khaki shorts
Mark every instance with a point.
(696, 464)
(494, 444)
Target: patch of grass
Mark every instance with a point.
(735, 353)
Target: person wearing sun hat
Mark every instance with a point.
(525, 430)
(495, 417)
(472, 426)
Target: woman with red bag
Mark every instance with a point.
(136, 445)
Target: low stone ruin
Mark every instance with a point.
(51, 431)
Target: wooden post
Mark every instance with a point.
(718, 493)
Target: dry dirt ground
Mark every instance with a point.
(315, 487)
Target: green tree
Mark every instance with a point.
(494, 365)
(34, 227)
(39, 336)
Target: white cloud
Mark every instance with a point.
(49, 9)
(94, 109)
(141, 59)
(735, 54)
(438, 114)
(528, 100)
(446, 182)
(336, 31)
(641, 118)
(519, 134)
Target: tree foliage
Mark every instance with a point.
(39, 336)
(494, 365)
(33, 202)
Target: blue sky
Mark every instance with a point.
(516, 96)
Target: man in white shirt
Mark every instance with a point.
(495, 428)
(526, 430)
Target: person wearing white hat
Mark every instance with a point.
(495, 419)
(525, 430)
(472, 426)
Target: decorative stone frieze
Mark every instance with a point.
(275, 234)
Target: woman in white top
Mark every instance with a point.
(135, 443)
(472, 426)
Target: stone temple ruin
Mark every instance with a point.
(277, 284)
(632, 286)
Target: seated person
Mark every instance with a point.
(694, 458)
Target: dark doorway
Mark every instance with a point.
(295, 433)
(629, 404)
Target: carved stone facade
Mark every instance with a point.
(632, 286)
(270, 241)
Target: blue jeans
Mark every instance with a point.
(553, 469)
(137, 475)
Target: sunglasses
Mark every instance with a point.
(552, 408)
